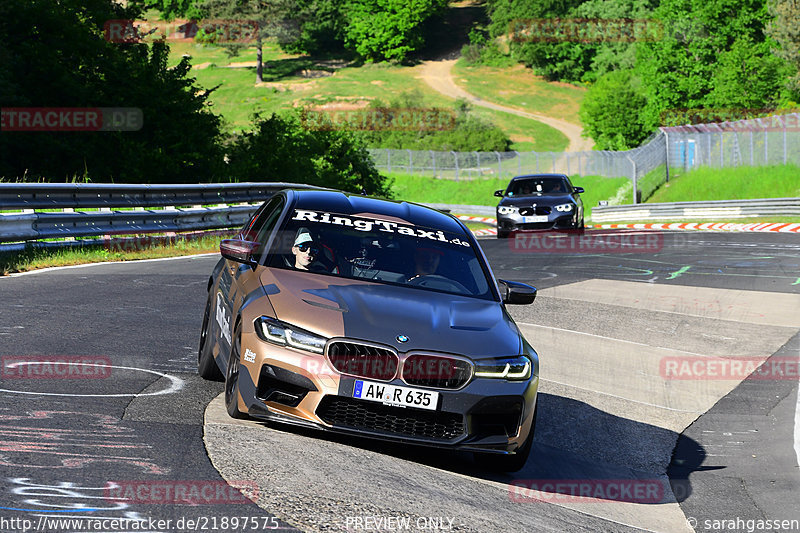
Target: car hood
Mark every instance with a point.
(339, 307)
(545, 199)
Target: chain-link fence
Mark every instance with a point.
(634, 164)
(752, 142)
(755, 142)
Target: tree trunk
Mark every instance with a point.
(259, 64)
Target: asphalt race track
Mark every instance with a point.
(645, 342)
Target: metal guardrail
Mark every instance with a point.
(482, 210)
(33, 226)
(89, 195)
(716, 209)
(142, 203)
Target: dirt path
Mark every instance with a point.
(438, 75)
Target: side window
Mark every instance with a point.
(264, 220)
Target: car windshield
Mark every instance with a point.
(538, 185)
(384, 250)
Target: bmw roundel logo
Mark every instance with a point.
(402, 338)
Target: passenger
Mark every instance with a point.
(306, 251)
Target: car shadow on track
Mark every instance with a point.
(576, 445)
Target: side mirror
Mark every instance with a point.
(239, 251)
(578, 189)
(499, 193)
(514, 292)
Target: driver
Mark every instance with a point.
(426, 261)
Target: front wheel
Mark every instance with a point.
(232, 377)
(206, 366)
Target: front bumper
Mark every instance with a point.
(295, 387)
(555, 220)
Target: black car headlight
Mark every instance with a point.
(564, 208)
(283, 334)
(511, 368)
(507, 210)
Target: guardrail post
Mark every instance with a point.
(666, 153)
(410, 163)
(388, 160)
(433, 158)
(499, 165)
(455, 158)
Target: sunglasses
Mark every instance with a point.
(308, 247)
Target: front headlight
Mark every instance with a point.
(507, 210)
(283, 334)
(511, 368)
(564, 208)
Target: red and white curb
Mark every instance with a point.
(781, 227)
(485, 220)
(710, 226)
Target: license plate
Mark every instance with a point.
(534, 219)
(395, 395)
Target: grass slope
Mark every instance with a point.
(237, 97)
(738, 183)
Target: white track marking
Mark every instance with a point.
(175, 385)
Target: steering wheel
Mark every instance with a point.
(435, 281)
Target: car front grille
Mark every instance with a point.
(352, 413)
(436, 371)
(363, 360)
(536, 210)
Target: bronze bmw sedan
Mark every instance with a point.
(373, 318)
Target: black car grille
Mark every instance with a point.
(538, 210)
(363, 360)
(358, 414)
(436, 371)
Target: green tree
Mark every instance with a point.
(785, 31)
(178, 142)
(171, 9)
(267, 18)
(714, 53)
(387, 29)
(281, 149)
(610, 112)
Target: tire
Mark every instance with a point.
(581, 227)
(232, 377)
(206, 366)
(509, 463)
(502, 234)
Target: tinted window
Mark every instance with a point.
(381, 250)
(538, 185)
